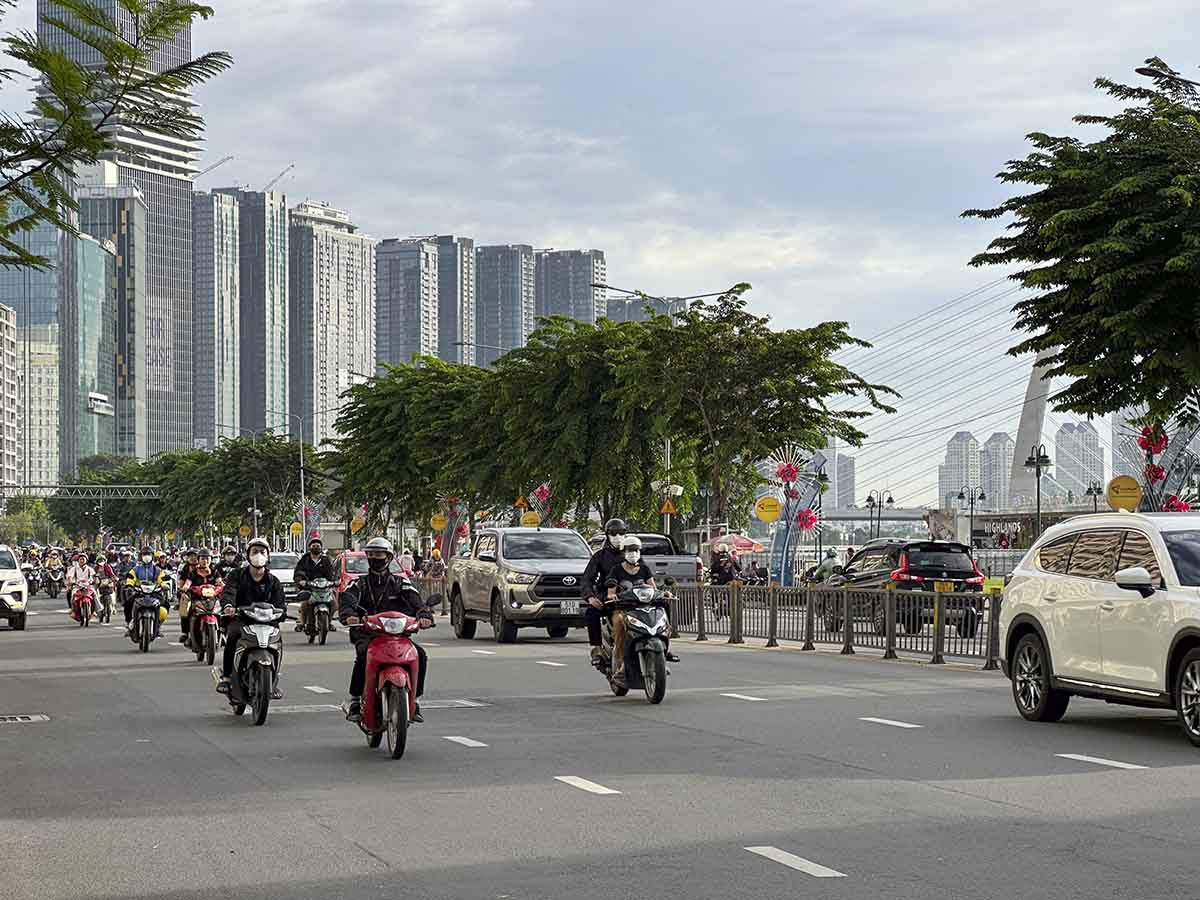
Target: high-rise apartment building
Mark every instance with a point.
(566, 282)
(456, 299)
(331, 302)
(162, 167)
(263, 337)
(633, 309)
(847, 481)
(1127, 457)
(216, 315)
(38, 361)
(406, 299)
(113, 210)
(1078, 462)
(505, 305)
(995, 469)
(961, 469)
(10, 404)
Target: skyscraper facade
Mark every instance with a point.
(331, 302)
(995, 469)
(88, 359)
(406, 299)
(506, 300)
(10, 404)
(961, 469)
(847, 481)
(565, 284)
(264, 326)
(162, 167)
(1127, 457)
(633, 309)
(112, 209)
(456, 299)
(1078, 461)
(216, 313)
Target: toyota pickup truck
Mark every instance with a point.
(664, 559)
(519, 578)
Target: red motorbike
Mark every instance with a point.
(84, 601)
(390, 698)
(205, 611)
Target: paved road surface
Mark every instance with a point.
(764, 774)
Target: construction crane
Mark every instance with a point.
(274, 181)
(219, 162)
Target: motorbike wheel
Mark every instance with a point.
(312, 636)
(210, 644)
(260, 693)
(84, 618)
(147, 636)
(322, 628)
(395, 711)
(617, 691)
(654, 676)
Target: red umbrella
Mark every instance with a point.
(742, 544)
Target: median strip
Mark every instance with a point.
(891, 722)
(799, 863)
(1100, 761)
(584, 785)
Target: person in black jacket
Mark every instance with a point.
(380, 591)
(256, 585)
(595, 577)
(313, 564)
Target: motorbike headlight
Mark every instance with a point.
(394, 626)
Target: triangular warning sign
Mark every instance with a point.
(668, 508)
(521, 504)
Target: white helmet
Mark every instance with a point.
(632, 542)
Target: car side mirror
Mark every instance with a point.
(486, 557)
(1136, 579)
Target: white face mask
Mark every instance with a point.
(258, 560)
(633, 556)
(147, 558)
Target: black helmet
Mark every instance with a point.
(204, 552)
(615, 526)
(315, 540)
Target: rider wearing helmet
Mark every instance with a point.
(256, 585)
(145, 570)
(380, 591)
(186, 576)
(603, 561)
(229, 562)
(200, 574)
(436, 568)
(313, 564)
(828, 564)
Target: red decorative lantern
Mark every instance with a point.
(1155, 473)
(1153, 440)
(1175, 504)
(807, 519)
(542, 493)
(793, 494)
(461, 531)
(787, 472)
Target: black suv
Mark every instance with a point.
(927, 566)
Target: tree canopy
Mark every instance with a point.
(1108, 240)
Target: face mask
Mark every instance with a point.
(617, 541)
(633, 556)
(258, 560)
(316, 552)
(147, 558)
(228, 557)
(377, 565)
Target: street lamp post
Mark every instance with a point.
(1159, 75)
(303, 502)
(877, 501)
(972, 495)
(1039, 462)
(1095, 491)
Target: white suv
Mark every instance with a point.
(1108, 607)
(14, 590)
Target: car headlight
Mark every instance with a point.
(521, 578)
(14, 583)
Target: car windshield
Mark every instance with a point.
(545, 545)
(284, 560)
(654, 545)
(1184, 547)
(356, 565)
(939, 558)
(7, 561)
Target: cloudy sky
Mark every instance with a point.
(821, 151)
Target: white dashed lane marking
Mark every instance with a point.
(465, 741)
(799, 863)
(891, 722)
(1112, 763)
(485, 652)
(317, 689)
(584, 785)
(746, 697)
(546, 662)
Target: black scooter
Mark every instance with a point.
(646, 630)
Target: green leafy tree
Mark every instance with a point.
(1106, 235)
(720, 377)
(77, 107)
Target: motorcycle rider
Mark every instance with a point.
(79, 576)
(435, 568)
(200, 574)
(313, 564)
(255, 585)
(228, 563)
(634, 570)
(145, 570)
(725, 568)
(828, 564)
(379, 591)
(595, 577)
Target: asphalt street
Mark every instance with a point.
(765, 774)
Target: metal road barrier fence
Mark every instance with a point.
(936, 625)
(998, 562)
(430, 587)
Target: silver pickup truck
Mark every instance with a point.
(665, 561)
(519, 578)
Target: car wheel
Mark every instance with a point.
(1187, 696)
(1036, 700)
(17, 623)
(504, 630)
(464, 628)
(558, 631)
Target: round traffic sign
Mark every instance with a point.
(768, 509)
(438, 522)
(297, 528)
(244, 531)
(1124, 492)
(531, 519)
(357, 524)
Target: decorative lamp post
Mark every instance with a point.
(1095, 491)
(972, 496)
(1039, 461)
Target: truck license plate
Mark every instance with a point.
(568, 608)
(944, 587)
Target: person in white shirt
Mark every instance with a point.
(80, 575)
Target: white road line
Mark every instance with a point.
(584, 785)
(485, 652)
(891, 722)
(1099, 761)
(317, 689)
(465, 741)
(799, 863)
(546, 662)
(746, 697)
